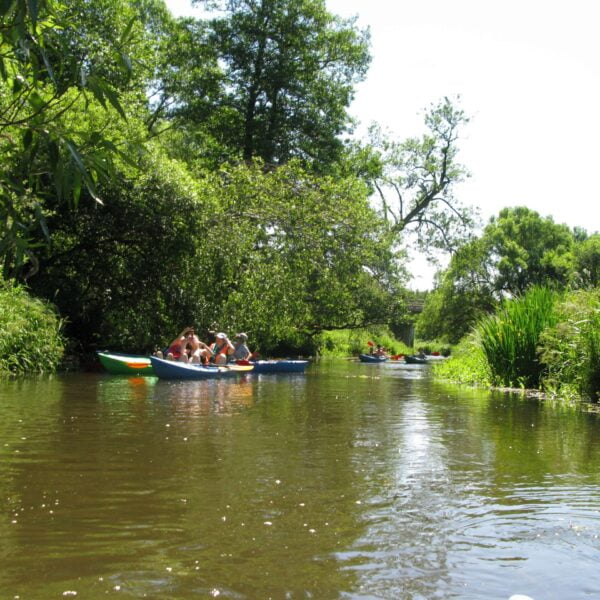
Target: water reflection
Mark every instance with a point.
(361, 481)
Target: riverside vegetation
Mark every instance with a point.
(544, 340)
(156, 171)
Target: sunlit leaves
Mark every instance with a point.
(40, 156)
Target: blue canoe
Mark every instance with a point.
(371, 358)
(279, 366)
(170, 369)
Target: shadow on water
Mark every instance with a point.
(354, 480)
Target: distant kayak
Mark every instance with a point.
(415, 360)
(170, 369)
(125, 364)
(371, 358)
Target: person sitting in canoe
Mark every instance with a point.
(221, 349)
(186, 347)
(241, 350)
(379, 351)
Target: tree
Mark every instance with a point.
(587, 262)
(527, 249)
(280, 253)
(517, 250)
(416, 179)
(290, 68)
(39, 156)
(464, 292)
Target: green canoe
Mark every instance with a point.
(126, 364)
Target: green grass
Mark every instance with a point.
(467, 365)
(30, 333)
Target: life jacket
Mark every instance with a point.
(216, 350)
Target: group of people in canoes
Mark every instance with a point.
(189, 348)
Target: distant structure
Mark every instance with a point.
(406, 331)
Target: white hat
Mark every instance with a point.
(221, 336)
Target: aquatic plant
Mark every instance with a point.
(509, 339)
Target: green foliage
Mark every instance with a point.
(289, 72)
(431, 346)
(529, 250)
(130, 266)
(306, 253)
(517, 250)
(280, 254)
(39, 156)
(571, 348)
(30, 333)
(467, 365)
(587, 262)
(133, 243)
(351, 342)
(510, 338)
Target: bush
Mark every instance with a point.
(467, 365)
(509, 339)
(434, 346)
(30, 333)
(571, 349)
(351, 342)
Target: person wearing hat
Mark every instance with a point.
(221, 349)
(241, 350)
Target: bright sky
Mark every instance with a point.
(528, 74)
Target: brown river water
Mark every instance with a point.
(353, 481)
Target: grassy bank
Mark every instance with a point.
(542, 340)
(30, 333)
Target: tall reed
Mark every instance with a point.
(509, 339)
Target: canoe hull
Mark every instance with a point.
(169, 369)
(279, 366)
(369, 358)
(125, 364)
(415, 360)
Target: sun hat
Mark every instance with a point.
(221, 336)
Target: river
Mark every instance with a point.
(352, 481)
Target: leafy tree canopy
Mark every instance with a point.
(517, 250)
(40, 156)
(289, 73)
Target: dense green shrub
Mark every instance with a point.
(467, 364)
(510, 338)
(571, 349)
(30, 333)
